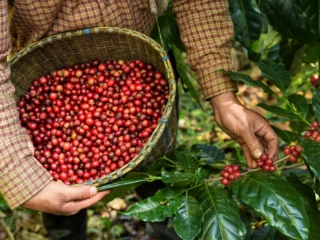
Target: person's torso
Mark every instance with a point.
(35, 19)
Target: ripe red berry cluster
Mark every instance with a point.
(91, 119)
(266, 163)
(313, 132)
(229, 173)
(293, 151)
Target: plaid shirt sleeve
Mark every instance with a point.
(21, 176)
(207, 32)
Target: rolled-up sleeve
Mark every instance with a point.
(21, 175)
(207, 32)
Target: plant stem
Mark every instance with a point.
(294, 165)
(282, 159)
(213, 179)
(169, 160)
(296, 112)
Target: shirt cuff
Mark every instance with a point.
(212, 81)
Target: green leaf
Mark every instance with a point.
(286, 136)
(316, 103)
(275, 73)
(123, 186)
(128, 181)
(200, 174)
(248, 23)
(186, 74)
(171, 198)
(195, 150)
(239, 77)
(157, 208)
(187, 161)
(221, 214)
(169, 31)
(189, 219)
(176, 178)
(295, 19)
(300, 103)
(276, 200)
(311, 150)
(210, 154)
(310, 204)
(313, 53)
(279, 111)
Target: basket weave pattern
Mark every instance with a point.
(102, 43)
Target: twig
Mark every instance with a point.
(213, 179)
(294, 165)
(282, 159)
(7, 229)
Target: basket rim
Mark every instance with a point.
(159, 130)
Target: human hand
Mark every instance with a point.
(246, 127)
(60, 199)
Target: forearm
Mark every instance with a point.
(207, 32)
(21, 176)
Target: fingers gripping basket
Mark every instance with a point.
(101, 43)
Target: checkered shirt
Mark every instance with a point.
(206, 30)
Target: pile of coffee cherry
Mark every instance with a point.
(88, 120)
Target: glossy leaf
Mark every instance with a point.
(300, 103)
(316, 103)
(130, 179)
(189, 219)
(240, 77)
(311, 150)
(295, 19)
(156, 209)
(248, 23)
(187, 161)
(286, 136)
(176, 178)
(200, 174)
(221, 214)
(279, 111)
(275, 73)
(276, 200)
(210, 154)
(310, 204)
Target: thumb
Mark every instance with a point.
(81, 193)
(253, 144)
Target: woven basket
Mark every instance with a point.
(101, 43)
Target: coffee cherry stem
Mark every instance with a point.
(294, 165)
(214, 179)
(169, 160)
(296, 112)
(282, 159)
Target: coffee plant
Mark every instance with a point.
(206, 196)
